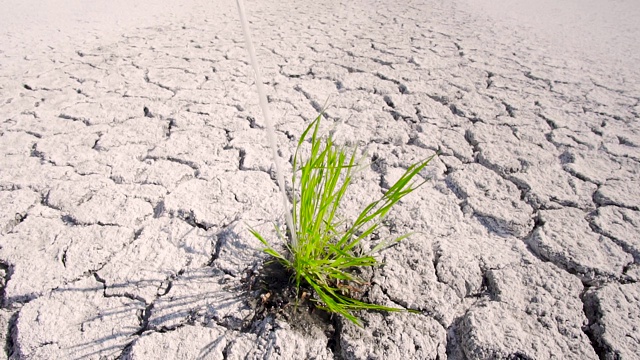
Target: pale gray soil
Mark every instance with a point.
(134, 158)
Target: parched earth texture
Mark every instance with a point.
(134, 159)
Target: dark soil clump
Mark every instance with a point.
(273, 294)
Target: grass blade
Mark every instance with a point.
(324, 256)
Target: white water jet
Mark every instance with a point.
(271, 137)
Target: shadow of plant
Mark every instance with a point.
(90, 318)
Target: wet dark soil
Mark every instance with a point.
(273, 295)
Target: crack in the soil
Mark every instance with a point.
(454, 349)
(74, 118)
(129, 296)
(6, 270)
(158, 209)
(510, 109)
(143, 317)
(170, 126)
(190, 218)
(593, 328)
(147, 80)
(40, 155)
(10, 345)
(334, 339)
(220, 239)
(626, 247)
(316, 106)
(437, 254)
(193, 165)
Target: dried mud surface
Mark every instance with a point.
(132, 165)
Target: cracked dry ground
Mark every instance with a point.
(131, 170)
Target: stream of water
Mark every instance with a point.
(271, 137)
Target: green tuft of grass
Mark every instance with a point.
(323, 253)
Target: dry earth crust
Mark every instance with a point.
(131, 167)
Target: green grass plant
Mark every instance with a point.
(325, 250)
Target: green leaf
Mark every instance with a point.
(324, 256)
